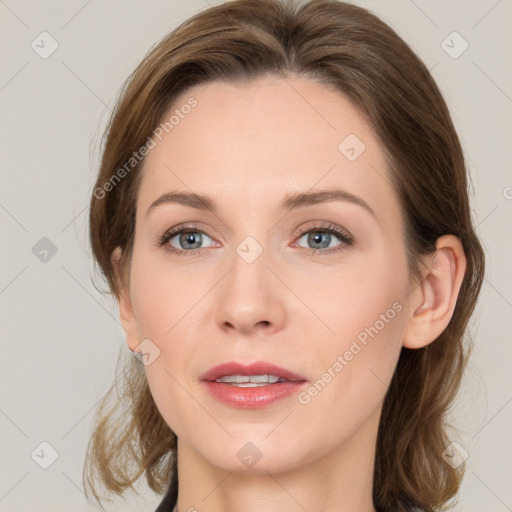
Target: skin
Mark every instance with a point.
(247, 146)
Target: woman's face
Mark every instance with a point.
(263, 277)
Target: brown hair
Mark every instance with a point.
(350, 49)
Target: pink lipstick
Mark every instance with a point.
(251, 386)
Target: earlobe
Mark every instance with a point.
(433, 301)
(126, 313)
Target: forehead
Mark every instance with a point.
(255, 141)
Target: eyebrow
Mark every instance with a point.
(289, 202)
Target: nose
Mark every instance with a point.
(250, 298)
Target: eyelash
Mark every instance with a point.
(345, 237)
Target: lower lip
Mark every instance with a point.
(252, 398)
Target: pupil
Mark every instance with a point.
(319, 238)
(190, 238)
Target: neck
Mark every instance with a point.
(339, 480)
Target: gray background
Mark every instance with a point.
(60, 338)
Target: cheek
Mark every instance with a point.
(160, 297)
(355, 302)
(354, 367)
(161, 302)
(364, 310)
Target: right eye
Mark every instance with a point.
(188, 237)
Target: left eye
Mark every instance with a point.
(318, 238)
(321, 238)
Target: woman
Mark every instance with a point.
(282, 214)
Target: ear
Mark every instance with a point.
(126, 314)
(433, 300)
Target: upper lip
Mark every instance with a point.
(258, 368)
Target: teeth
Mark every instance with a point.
(247, 384)
(250, 380)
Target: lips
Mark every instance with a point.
(258, 368)
(265, 392)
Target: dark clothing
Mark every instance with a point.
(171, 497)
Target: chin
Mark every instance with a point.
(254, 454)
